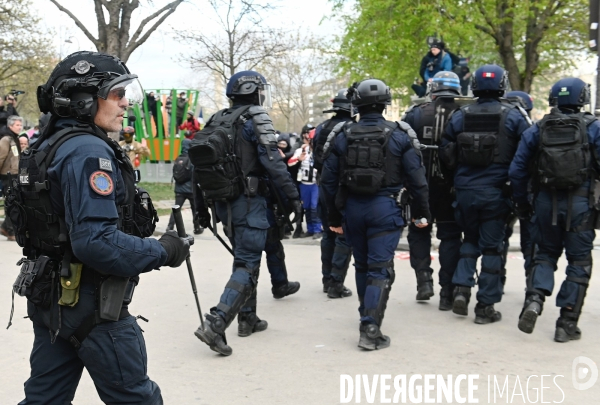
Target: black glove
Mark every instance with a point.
(334, 217)
(524, 211)
(419, 215)
(203, 218)
(296, 208)
(177, 248)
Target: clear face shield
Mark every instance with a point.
(264, 96)
(127, 86)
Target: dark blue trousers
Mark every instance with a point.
(373, 225)
(577, 243)
(482, 215)
(336, 252)
(114, 354)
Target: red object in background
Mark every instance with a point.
(136, 161)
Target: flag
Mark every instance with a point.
(201, 117)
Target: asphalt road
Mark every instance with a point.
(312, 340)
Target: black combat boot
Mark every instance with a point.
(371, 337)
(297, 232)
(291, 287)
(486, 314)
(213, 334)
(248, 323)
(566, 326)
(326, 284)
(462, 296)
(424, 286)
(532, 308)
(338, 290)
(446, 298)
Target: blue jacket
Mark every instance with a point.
(494, 175)
(413, 172)
(440, 63)
(526, 152)
(91, 218)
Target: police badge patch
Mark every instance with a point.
(105, 164)
(101, 183)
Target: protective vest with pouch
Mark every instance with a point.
(217, 166)
(319, 145)
(564, 157)
(484, 139)
(368, 165)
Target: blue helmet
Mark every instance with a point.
(244, 83)
(525, 98)
(489, 79)
(445, 84)
(569, 91)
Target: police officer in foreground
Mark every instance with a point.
(335, 250)
(252, 164)
(428, 121)
(83, 225)
(366, 167)
(479, 143)
(563, 148)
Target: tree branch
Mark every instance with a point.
(134, 38)
(77, 22)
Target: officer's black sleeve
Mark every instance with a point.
(414, 174)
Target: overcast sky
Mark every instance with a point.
(155, 62)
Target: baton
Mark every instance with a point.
(221, 240)
(181, 232)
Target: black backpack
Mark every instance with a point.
(564, 157)
(182, 169)
(212, 152)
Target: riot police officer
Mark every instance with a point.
(563, 148)
(82, 224)
(251, 164)
(428, 121)
(480, 141)
(335, 250)
(371, 160)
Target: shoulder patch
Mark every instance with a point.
(105, 164)
(101, 183)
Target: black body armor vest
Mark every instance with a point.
(368, 165)
(484, 139)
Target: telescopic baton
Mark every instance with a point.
(181, 232)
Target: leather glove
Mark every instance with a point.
(177, 248)
(203, 218)
(524, 211)
(334, 217)
(296, 208)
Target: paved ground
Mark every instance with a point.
(312, 340)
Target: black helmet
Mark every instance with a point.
(340, 102)
(445, 84)
(79, 79)
(369, 91)
(248, 83)
(523, 99)
(569, 92)
(307, 128)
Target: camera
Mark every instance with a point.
(16, 93)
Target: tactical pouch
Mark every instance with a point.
(476, 149)
(70, 286)
(35, 280)
(112, 294)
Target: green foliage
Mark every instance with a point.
(387, 38)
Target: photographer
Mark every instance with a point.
(435, 61)
(7, 106)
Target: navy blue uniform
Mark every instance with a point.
(249, 220)
(373, 223)
(448, 231)
(577, 241)
(114, 353)
(481, 209)
(335, 250)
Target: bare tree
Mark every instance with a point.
(244, 41)
(114, 36)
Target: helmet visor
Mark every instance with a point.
(127, 86)
(264, 95)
